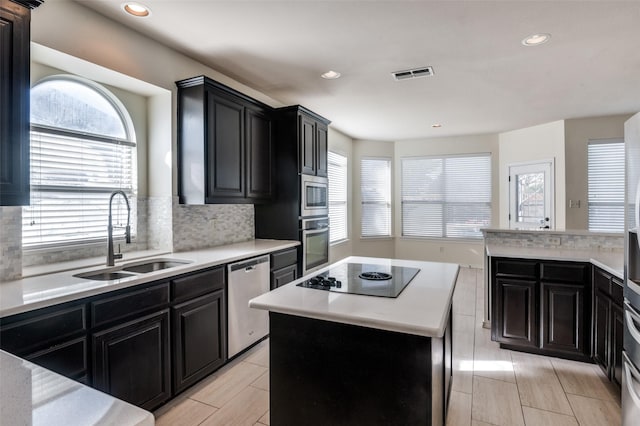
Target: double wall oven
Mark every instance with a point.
(314, 222)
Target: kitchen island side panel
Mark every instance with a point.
(324, 372)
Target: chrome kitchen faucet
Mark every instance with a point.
(110, 255)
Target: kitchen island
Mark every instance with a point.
(339, 358)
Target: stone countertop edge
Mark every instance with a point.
(41, 291)
(30, 394)
(612, 262)
(421, 309)
(551, 232)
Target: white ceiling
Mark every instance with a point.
(485, 80)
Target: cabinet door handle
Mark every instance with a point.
(630, 318)
(632, 376)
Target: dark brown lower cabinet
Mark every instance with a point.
(199, 330)
(617, 336)
(283, 276)
(132, 362)
(284, 267)
(563, 318)
(542, 307)
(608, 324)
(515, 316)
(601, 317)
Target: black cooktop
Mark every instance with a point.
(365, 279)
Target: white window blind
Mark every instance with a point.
(337, 172)
(606, 186)
(375, 185)
(446, 197)
(76, 165)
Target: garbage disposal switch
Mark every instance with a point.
(247, 279)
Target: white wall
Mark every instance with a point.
(343, 144)
(578, 132)
(71, 28)
(374, 247)
(536, 143)
(444, 250)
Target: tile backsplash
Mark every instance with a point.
(565, 240)
(10, 242)
(209, 225)
(162, 223)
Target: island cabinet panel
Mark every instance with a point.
(199, 343)
(225, 145)
(608, 324)
(131, 361)
(327, 373)
(542, 306)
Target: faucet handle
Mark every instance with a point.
(117, 255)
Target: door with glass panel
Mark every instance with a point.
(531, 196)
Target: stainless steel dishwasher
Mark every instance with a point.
(247, 279)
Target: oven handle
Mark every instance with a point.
(315, 230)
(629, 317)
(633, 376)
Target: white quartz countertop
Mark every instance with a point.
(610, 261)
(45, 290)
(421, 309)
(32, 395)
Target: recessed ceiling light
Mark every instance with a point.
(330, 75)
(136, 9)
(536, 39)
(436, 125)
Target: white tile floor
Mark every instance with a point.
(491, 386)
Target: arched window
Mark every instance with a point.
(82, 149)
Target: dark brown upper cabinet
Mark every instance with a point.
(311, 132)
(15, 19)
(225, 145)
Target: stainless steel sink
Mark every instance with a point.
(104, 276)
(154, 265)
(132, 269)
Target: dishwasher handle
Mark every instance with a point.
(248, 265)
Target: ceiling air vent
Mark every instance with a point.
(414, 73)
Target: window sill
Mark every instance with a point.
(339, 242)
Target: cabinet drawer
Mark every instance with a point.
(564, 271)
(41, 331)
(197, 284)
(516, 268)
(284, 258)
(617, 291)
(282, 276)
(68, 359)
(602, 281)
(129, 304)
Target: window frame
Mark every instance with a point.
(388, 202)
(80, 137)
(345, 167)
(619, 142)
(443, 202)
